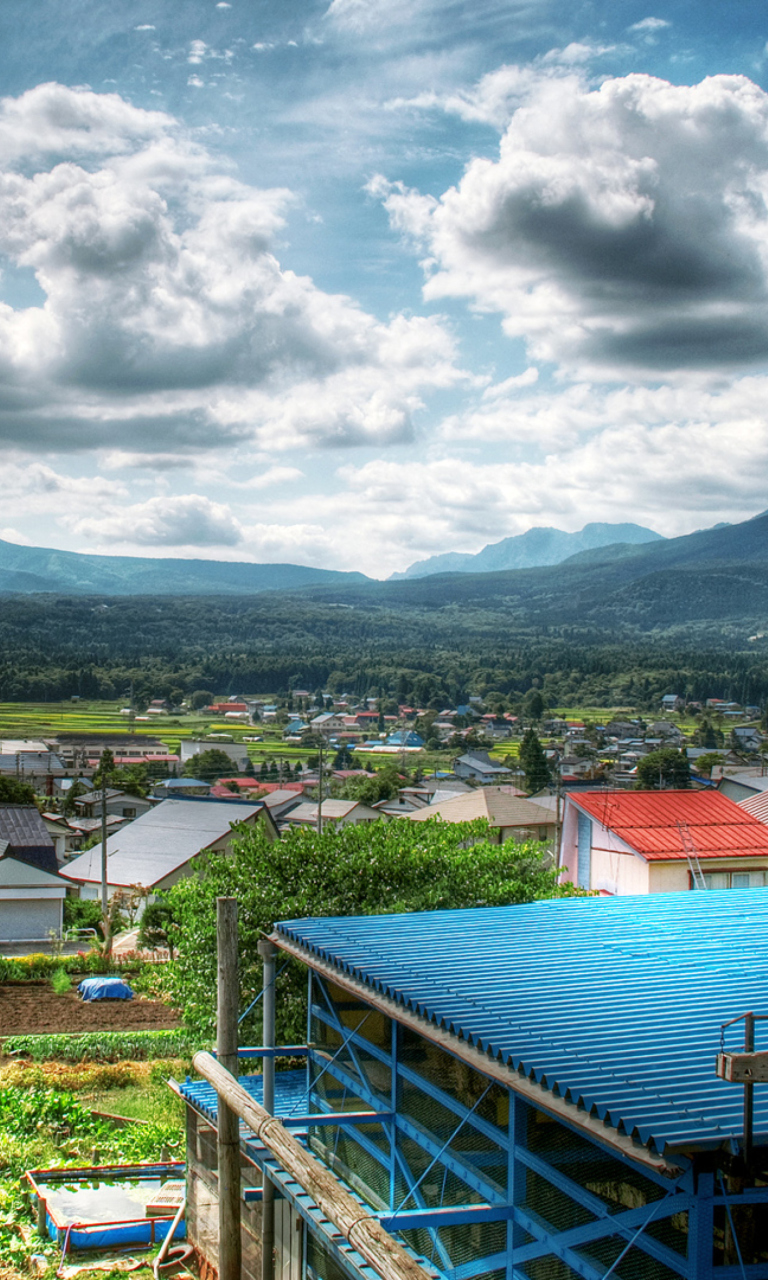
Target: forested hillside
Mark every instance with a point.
(56, 647)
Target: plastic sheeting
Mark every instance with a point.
(104, 989)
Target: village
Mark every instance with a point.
(445, 1114)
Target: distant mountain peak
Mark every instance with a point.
(541, 545)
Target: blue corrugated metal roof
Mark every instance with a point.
(290, 1094)
(615, 1002)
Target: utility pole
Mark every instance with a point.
(228, 1139)
(320, 793)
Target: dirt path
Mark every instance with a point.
(28, 1008)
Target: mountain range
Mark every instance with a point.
(28, 570)
(529, 550)
(716, 578)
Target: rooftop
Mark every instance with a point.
(613, 1004)
(161, 840)
(500, 807)
(647, 821)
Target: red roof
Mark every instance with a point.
(647, 822)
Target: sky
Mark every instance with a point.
(350, 283)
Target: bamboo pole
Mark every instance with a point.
(228, 1139)
(388, 1258)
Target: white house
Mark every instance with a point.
(617, 842)
(32, 892)
(160, 847)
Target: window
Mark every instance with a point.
(735, 879)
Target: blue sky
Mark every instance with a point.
(353, 282)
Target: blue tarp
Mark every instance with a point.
(104, 989)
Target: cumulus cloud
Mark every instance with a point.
(187, 521)
(650, 24)
(169, 322)
(623, 227)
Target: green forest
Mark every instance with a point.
(57, 647)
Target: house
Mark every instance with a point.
(237, 752)
(478, 765)
(747, 737)
(118, 803)
(327, 724)
(161, 846)
(630, 842)
(525, 1092)
(32, 892)
(746, 782)
(509, 815)
(672, 702)
(341, 813)
(405, 738)
(173, 788)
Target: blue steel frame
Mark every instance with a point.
(530, 1238)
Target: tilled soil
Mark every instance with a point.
(30, 1008)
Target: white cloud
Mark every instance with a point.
(188, 521)
(621, 227)
(650, 24)
(169, 323)
(12, 535)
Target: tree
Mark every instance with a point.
(363, 869)
(209, 765)
(533, 704)
(158, 927)
(12, 791)
(662, 770)
(106, 768)
(343, 759)
(200, 698)
(534, 762)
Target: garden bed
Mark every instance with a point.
(32, 1008)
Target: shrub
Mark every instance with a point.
(105, 1046)
(61, 982)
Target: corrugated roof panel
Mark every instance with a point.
(615, 1002)
(648, 822)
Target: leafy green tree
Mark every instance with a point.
(663, 770)
(200, 698)
(705, 764)
(158, 927)
(105, 771)
(12, 791)
(367, 869)
(77, 789)
(534, 762)
(344, 759)
(533, 704)
(209, 765)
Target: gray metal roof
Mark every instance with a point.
(162, 840)
(614, 1003)
(27, 836)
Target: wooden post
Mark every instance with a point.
(267, 951)
(42, 1210)
(386, 1255)
(228, 1142)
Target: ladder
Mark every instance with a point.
(691, 853)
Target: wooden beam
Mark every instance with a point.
(743, 1068)
(388, 1258)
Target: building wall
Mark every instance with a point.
(202, 1215)
(619, 873)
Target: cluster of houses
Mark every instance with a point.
(607, 841)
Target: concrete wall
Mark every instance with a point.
(203, 1203)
